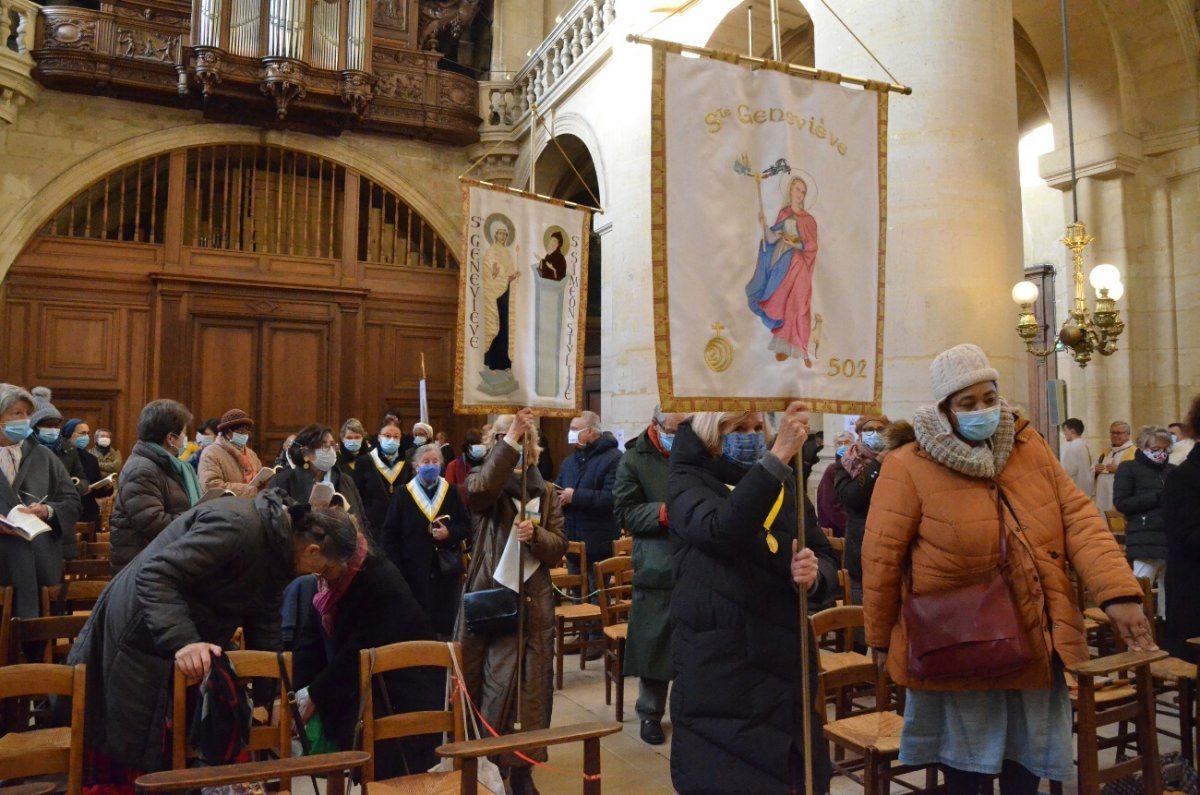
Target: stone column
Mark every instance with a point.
(954, 209)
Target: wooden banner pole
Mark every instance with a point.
(790, 68)
(805, 672)
(521, 578)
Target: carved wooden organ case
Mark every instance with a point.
(320, 65)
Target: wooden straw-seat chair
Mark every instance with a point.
(1095, 708)
(574, 621)
(51, 637)
(91, 569)
(463, 778)
(614, 578)
(52, 751)
(623, 546)
(265, 735)
(841, 622)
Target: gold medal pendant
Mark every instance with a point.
(772, 543)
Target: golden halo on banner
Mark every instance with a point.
(718, 353)
(489, 224)
(810, 184)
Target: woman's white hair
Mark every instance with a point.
(709, 425)
(11, 394)
(1149, 434)
(500, 428)
(429, 448)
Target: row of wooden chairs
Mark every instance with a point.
(40, 752)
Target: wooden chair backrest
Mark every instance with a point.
(6, 605)
(249, 665)
(397, 657)
(20, 681)
(841, 620)
(57, 633)
(106, 508)
(104, 537)
(95, 550)
(623, 546)
(614, 578)
(71, 596)
(85, 531)
(566, 582)
(93, 569)
(844, 586)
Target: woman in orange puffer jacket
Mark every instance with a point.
(935, 508)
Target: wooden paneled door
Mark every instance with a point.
(277, 371)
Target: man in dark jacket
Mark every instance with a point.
(155, 486)
(587, 479)
(31, 475)
(639, 499)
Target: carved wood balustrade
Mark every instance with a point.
(323, 65)
(16, 64)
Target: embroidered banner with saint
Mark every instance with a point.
(768, 204)
(522, 303)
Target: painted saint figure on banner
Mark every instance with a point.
(780, 291)
(499, 273)
(554, 264)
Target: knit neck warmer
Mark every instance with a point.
(856, 458)
(938, 439)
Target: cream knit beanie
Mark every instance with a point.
(958, 368)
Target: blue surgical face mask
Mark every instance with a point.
(204, 440)
(841, 451)
(743, 448)
(82, 441)
(240, 439)
(478, 451)
(872, 440)
(429, 473)
(667, 440)
(388, 445)
(1174, 439)
(353, 445)
(18, 430)
(419, 440)
(978, 426)
(48, 435)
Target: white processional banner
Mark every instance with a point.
(768, 203)
(522, 303)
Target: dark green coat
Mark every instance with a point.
(638, 495)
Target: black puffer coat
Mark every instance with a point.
(855, 496)
(222, 565)
(591, 471)
(1181, 509)
(1136, 492)
(149, 497)
(737, 701)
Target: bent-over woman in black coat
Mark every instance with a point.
(422, 533)
(361, 602)
(220, 566)
(736, 705)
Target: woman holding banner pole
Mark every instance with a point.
(508, 680)
(737, 702)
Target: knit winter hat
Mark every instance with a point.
(958, 368)
(43, 409)
(863, 419)
(234, 418)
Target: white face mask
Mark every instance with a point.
(573, 437)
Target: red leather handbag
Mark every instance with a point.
(972, 631)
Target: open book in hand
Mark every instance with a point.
(102, 483)
(263, 477)
(22, 523)
(323, 496)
